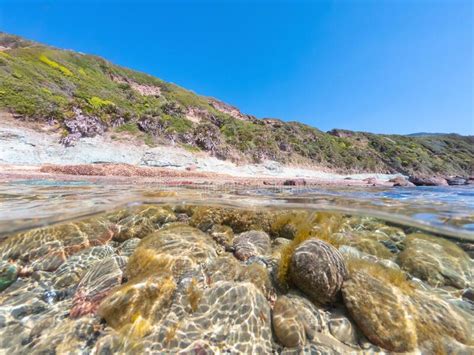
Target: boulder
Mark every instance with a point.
(428, 181)
(436, 261)
(457, 180)
(173, 250)
(96, 284)
(396, 316)
(252, 243)
(288, 326)
(400, 181)
(229, 317)
(294, 182)
(318, 269)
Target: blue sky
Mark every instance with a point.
(380, 66)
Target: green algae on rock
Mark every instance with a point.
(437, 261)
(175, 288)
(239, 220)
(143, 221)
(393, 314)
(136, 306)
(174, 249)
(8, 274)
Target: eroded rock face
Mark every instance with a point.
(318, 269)
(82, 125)
(437, 261)
(252, 243)
(396, 316)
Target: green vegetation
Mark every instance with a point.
(55, 65)
(43, 83)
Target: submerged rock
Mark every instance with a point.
(8, 274)
(172, 250)
(223, 235)
(128, 247)
(287, 323)
(71, 271)
(343, 329)
(237, 219)
(65, 337)
(437, 261)
(260, 277)
(393, 314)
(133, 308)
(229, 318)
(144, 221)
(96, 284)
(252, 243)
(318, 269)
(223, 268)
(156, 267)
(47, 248)
(369, 243)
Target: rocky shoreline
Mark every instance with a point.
(33, 151)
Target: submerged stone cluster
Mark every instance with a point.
(195, 279)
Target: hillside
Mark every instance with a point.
(84, 95)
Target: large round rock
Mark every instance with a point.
(252, 243)
(318, 269)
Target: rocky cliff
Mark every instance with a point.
(79, 95)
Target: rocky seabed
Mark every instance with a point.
(189, 279)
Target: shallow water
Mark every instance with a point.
(94, 268)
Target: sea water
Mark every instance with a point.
(101, 268)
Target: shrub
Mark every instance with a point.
(98, 103)
(55, 65)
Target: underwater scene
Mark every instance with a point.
(95, 269)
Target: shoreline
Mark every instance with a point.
(125, 173)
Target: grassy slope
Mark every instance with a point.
(44, 83)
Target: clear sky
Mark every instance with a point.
(383, 66)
